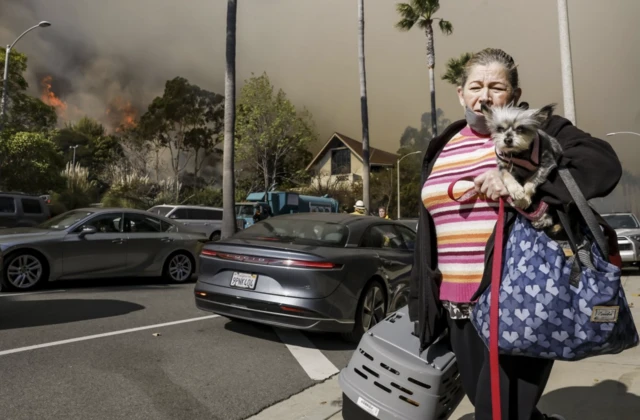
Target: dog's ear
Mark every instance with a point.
(544, 113)
(488, 113)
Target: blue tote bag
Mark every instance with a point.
(557, 307)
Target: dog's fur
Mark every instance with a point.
(513, 130)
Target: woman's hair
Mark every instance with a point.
(489, 56)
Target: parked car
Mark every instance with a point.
(207, 220)
(628, 229)
(312, 271)
(22, 210)
(98, 243)
(410, 222)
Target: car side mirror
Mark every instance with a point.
(88, 230)
(173, 216)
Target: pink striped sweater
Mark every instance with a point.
(462, 229)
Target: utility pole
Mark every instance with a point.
(565, 62)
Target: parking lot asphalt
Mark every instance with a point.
(139, 349)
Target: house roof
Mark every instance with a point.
(376, 156)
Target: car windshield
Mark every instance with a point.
(160, 210)
(65, 220)
(621, 221)
(305, 232)
(244, 210)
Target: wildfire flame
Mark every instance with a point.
(50, 98)
(122, 114)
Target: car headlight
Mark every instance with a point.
(635, 237)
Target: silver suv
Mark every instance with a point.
(207, 220)
(628, 230)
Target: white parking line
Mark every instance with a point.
(30, 293)
(316, 364)
(109, 334)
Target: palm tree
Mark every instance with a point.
(228, 181)
(455, 68)
(363, 108)
(421, 13)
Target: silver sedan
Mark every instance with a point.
(98, 243)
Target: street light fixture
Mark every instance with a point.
(624, 132)
(398, 168)
(3, 104)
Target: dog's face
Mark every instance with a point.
(514, 128)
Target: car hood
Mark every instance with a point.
(627, 232)
(22, 234)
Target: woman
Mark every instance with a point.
(453, 253)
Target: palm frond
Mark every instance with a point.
(424, 23)
(455, 68)
(430, 8)
(409, 16)
(446, 27)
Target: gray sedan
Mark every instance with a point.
(311, 271)
(98, 243)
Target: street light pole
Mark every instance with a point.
(398, 168)
(74, 155)
(565, 62)
(5, 84)
(624, 132)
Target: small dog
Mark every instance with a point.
(526, 155)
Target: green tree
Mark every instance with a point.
(421, 13)
(228, 172)
(30, 163)
(97, 151)
(24, 112)
(272, 134)
(178, 118)
(455, 68)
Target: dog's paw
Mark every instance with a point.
(543, 222)
(529, 189)
(521, 201)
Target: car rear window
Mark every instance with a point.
(297, 231)
(31, 206)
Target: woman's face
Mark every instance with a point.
(488, 84)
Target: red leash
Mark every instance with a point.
(496, 278)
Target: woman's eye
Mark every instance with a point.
(475, 88)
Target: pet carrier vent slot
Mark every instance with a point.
(422, 384)
(382, 387)
(390, 369)
(360, 373)
(370, 371)
(365, 354)
(401, 388)
(409, 400)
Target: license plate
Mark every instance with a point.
(244, 280)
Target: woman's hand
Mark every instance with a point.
(490, 185)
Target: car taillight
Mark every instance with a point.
(286, 262)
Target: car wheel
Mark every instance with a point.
(24, 271)
(372, 309)
(179, 268)
(215, 236)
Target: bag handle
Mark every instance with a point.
(585, 210)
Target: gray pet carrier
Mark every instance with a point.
(386, 379)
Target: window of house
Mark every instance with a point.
(340, 161)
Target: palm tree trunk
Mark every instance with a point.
(565, 61)
(228, 181)
(431, 61)
(363, 109)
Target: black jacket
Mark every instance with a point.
(592, 162)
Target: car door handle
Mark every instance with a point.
(167, 239)
(118, 241)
